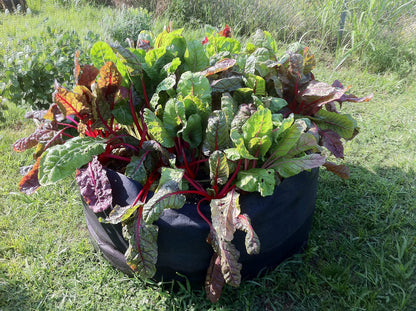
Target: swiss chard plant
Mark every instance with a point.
(204, 118)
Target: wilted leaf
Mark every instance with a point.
(214, 282)
(30, 182)
(120, 213)
(252, 241)
(339, 170)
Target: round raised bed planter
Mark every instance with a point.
(282, 222)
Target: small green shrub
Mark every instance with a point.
(29, 67)
(126, 23)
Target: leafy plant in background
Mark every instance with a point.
(29, 68)
(203, 118)
(126, 23)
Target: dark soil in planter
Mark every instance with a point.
(282, 222)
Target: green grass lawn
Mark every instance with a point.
(361, 251)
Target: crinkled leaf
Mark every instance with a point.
(224, 212)
(316, 95)
(192, 131)
(157, 130)
(229, 255)
(287, 167)
(214, 282)
(339, 170)
(195, 57)
(88, 75)
(198, 86)
(43, 133)
(74, 103)
(229, 107)
(218, 168)
(94, 186)
(252, 241)
(30, 182)
(122, 113)
(171, 67)
(257, 179)
(152, 145)
(217, 135)
(332, 141)
(109, 81)
(141, 254)
(161, 200)
(169, 174)
(136, 169)
(167, 85)
(61, 161)
(244, 113)
(308, 61)
(120, 213)
(130, 61)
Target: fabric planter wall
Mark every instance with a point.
(282, 222)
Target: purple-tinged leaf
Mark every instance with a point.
(141, 254)
(332, 141)
(214, 282)
(30, 182)
(252, 241)
(316, 95)
(339, 170)
(350, 97)
(43, 134)
(94, 186)
(223, 214)
(219, 170)
(229, 255)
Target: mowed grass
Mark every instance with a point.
(360, 254)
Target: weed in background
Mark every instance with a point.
(126, 23)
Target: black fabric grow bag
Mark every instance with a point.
(282, 222)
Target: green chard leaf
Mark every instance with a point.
(229, 107)
(217, 135)
(161, 200)
(218, 167)
(136, 169)
(157, 130)
(257, 179)
(287, 167)
(198, 86)
(101, 53)
(192, 131)
(195, 57)
(174, 116)
(258, 125)
(61, 161)
(120, 214)
(141, 254)
(343, 124)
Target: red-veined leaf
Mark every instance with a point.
(339, 170)
(30, 182)
(332, 141)
(214, 282)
